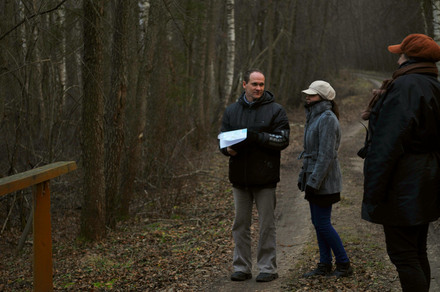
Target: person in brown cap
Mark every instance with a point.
(402, 159)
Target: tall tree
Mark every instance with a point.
(201, 72)
(230, 54)
(151, 20)
(427, 15)
(211, 88)
(435, 6)
(436, 19)
(116, 112)
(93, 207)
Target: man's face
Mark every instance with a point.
(255, 87)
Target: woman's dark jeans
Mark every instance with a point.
(406, 247)
(328, 238)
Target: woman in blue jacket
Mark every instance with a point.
(320, 176)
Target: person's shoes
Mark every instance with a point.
(266, 277)
(322, 270)
(240, 276)
(343, 270)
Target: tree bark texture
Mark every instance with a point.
(230, 53)
(116, 112)
(134, 155)
(93, 207)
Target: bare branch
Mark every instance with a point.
(30, 17)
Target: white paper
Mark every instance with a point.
(232, 137)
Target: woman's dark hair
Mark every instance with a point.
(248, 73)
(335, 109)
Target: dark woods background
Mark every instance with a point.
(133, 90)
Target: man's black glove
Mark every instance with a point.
(300, 186)
(311, 190)
(253, 136)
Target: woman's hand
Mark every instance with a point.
(311, 190)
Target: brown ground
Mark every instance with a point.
(191, 250)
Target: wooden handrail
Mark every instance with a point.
(39, 178)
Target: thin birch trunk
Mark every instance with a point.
(230, 55)
(436, 19)
(202, 46)
(436, 22)
(270, 52)
(62, 67)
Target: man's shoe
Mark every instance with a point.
(266, 277)
(240, 276)
(343, 270)
(322, 270)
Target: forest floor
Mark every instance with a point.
(191, 249)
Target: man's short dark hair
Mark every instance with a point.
(248, 73)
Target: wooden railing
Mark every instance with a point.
(39, 178)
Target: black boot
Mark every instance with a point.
(343, 270)
(321, 270)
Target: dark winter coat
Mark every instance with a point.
(402, 166)
(257, 163)
(322, 136)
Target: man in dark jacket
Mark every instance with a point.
(402, 164)
(254, 171)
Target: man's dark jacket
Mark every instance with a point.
(257, 163)
(402, 166)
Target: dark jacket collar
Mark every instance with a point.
(266, 98)
(318, 108)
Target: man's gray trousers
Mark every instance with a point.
(265, 200)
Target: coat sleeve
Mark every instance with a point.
(278, 138)
(390, 128)
(327, 152)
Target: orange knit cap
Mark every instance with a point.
(418, 46)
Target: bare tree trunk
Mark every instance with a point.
(62, 67)
(151, 23)
(202, 46)
(39, 78)
(271, 20)
(426, 8)
(230, 55)
(5, 12)
(285, 79)
(211, 88)
(93, 207)
(116, 112)
(436, 19)
(436, 22)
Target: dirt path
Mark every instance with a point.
(434, 255)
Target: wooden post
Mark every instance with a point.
(43, 272)
(39, 178)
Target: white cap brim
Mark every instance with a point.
(310, 91)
